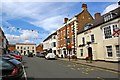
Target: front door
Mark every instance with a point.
(90, 52)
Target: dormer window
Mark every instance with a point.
(87, 26)
(109, 16)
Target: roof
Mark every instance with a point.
(100, 20)
(55, 33)
(25, 44)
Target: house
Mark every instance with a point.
(39, 48)
(50, 44)
(25, 48)
(67, 33)
(12, 47)
(96, 38)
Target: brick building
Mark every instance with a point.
(39, 48)
(67, 34)
(11, 48)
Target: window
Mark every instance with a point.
(54, 37)
(21, 47)
(83, 40)
(21, 51)
(33, 51)
(68, 40)
(68, 31)
(17, 47)
(107, 32)
(81, 52)
(28, 51)
(28, 47)
(54, 44)
(92, 38)
(115, 27)
(54, 52)
(72, 39)
(32, 47)
(117, 50)
(109, 51)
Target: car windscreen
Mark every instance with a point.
(14, 61)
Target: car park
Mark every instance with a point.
(11, 69)
(50, 56)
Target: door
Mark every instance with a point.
(90, 52)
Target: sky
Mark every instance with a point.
(32, 22)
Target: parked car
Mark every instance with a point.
(11, 69)
(50, 56)
(8, 56)
(30, 54)
(17, 55)
(40, 55)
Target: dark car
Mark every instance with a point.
(11, 69)
(40, 55)
(30, 54)
(17, 55)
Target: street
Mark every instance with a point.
(40, 68)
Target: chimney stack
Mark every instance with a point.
(119, 3)
(97, 15)
(84, 6)
(65, 20)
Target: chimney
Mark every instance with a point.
(84, 6)
(97, 15)
(119, 3)
(65, 20)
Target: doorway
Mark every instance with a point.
(90, 52)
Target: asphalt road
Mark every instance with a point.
(39, 68)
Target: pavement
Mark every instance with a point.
(99, 64)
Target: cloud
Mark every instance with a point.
(38, 14)
(24, 37)
(110, 8)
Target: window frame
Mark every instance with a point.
(117, 50)
(108, 48)
(81, 52)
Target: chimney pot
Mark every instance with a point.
(65, 20)
(97, 15)
(84, 6)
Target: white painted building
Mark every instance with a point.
(98, 40)
(24, 49)
(49, 44)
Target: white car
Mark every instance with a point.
(51, 56)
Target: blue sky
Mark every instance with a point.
(32, 22)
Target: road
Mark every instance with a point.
(37, 68)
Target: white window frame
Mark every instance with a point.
(109, 50)
(117, 49)
(92, 38)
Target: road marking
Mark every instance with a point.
(24, 72)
